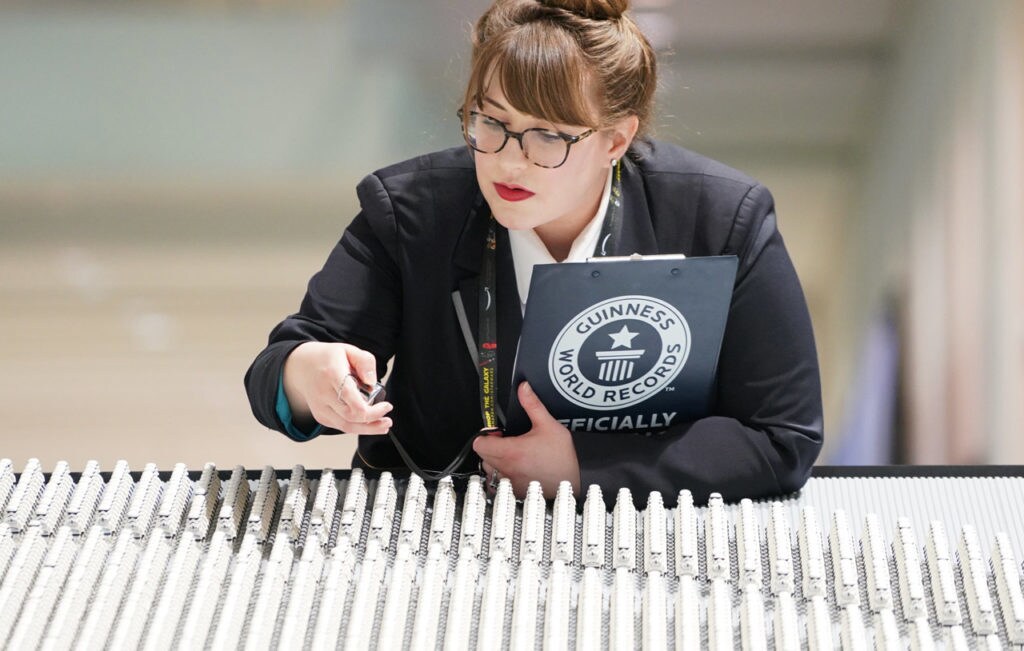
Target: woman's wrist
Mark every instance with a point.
(292, 374)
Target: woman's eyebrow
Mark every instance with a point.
(499, 106)
(495, 103)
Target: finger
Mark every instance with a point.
(364, 365)
(334, 418)
(494, 450)
(360, 412)
(491, 477)
(375, 428)
(329, 415)
(353, 403)
(534, 408)
(348, 413)
(494, 433)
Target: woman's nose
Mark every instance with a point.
(513, 155)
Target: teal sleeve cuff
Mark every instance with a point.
(284, 413)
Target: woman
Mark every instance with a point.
(554, 115)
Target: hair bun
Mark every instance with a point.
(593, 9)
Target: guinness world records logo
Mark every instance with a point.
(619, 352)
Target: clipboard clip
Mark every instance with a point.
(637, 256)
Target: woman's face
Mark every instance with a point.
(522, 195)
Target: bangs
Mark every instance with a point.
(541, 72)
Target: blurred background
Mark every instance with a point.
(173, 171)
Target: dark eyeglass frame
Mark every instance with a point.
(518, 135)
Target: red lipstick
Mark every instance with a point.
(512, 192)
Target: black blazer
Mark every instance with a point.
(387, 288)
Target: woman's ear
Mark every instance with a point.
(621, 135)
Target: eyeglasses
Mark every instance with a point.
(542, 147)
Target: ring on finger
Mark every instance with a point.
(341, 387)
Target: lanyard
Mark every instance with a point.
(487, 345)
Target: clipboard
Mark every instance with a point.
(623, 344)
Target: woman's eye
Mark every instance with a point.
(491, 122)
(549, 136)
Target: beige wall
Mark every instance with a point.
(136, 351)
(940, 224)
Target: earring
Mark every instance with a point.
(615, 161)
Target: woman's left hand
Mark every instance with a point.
(546, 453)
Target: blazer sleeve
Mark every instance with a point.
(355, 298)
(766, 426)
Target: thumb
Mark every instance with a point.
(363, 365)
(534, 408)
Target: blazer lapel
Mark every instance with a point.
(468, 259)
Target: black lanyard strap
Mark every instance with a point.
(434, 475)
(613, 214)
(487, 346)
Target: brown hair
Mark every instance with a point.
(579, 62)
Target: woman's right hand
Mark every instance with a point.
(320, 384)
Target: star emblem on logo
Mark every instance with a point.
(623, 338)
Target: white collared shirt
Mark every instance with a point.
(528, 249)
